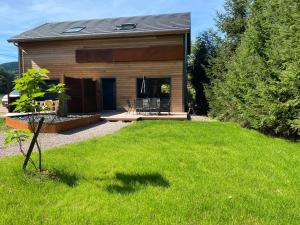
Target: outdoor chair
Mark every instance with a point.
(146, 105)
(154, 105)
(139, 105)
(165, 105)
(49, 106)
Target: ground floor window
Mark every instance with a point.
(154, 88)
(49, 96)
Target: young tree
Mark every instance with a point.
(31, 86)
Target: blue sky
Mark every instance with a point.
(17, 16)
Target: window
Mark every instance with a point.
(154, 88)
(74, 30)
(126, 26)
(49, 96)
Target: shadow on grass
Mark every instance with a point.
(57, 175)
(67, 178)
(130, 183)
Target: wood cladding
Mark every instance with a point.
(59, 58)
(153, 53)
(94, 55)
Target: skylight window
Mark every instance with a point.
(74, 30)
(126, 26)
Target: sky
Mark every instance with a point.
(17, 16)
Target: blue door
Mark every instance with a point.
(108, 93)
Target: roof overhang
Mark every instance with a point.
(99, 36)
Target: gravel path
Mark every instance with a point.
(202, 118)
(72, 136)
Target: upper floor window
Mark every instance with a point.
(126, 26)
(74, 30)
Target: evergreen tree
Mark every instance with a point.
(203, 48)
(264, 78)
(232, 23)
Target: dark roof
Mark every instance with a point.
(165, 23)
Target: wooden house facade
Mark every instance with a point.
(104, 62)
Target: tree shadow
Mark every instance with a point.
(60, 176)
(65, 177)
(130, 183)
(56, 175)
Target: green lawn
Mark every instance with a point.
(2, 125)
(160, 172)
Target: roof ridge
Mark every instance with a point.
(115, 18)
(172, 22)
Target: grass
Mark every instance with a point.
(2, 125)
(159, 172)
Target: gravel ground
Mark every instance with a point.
(202, 118)
(53, 140)
(3, 110)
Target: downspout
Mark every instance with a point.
(20, 58)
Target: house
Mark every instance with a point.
(105, 62)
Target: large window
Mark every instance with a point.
(153, 88)
(49, 96)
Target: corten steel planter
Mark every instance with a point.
(57, 127)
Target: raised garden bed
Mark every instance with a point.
(53, 123)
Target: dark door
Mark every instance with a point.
(109, 93)
(82, 94)
(74, 90)
(90, 100)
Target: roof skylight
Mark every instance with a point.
(126, 26)
(74, 30)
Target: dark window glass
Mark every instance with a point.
(48, 96)
(126, 26)
(154, 88)
(74, 30)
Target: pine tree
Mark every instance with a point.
(266, 72)
(203, 49)
(232, 23)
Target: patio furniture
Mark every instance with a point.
(154, 105)
(146, 106)
(130, 107)
(139, 105)
(165, 105)
(49, 106)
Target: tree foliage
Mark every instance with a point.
(203, 48)
(260, 85)
(31, 86)
(232, 24)
(6, 80)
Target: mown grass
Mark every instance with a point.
(160, 173)
(2, 125)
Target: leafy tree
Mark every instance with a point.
(19, 136)
(31, 86)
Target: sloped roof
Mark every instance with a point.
(165, 23)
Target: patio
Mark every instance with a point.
(114, 116)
